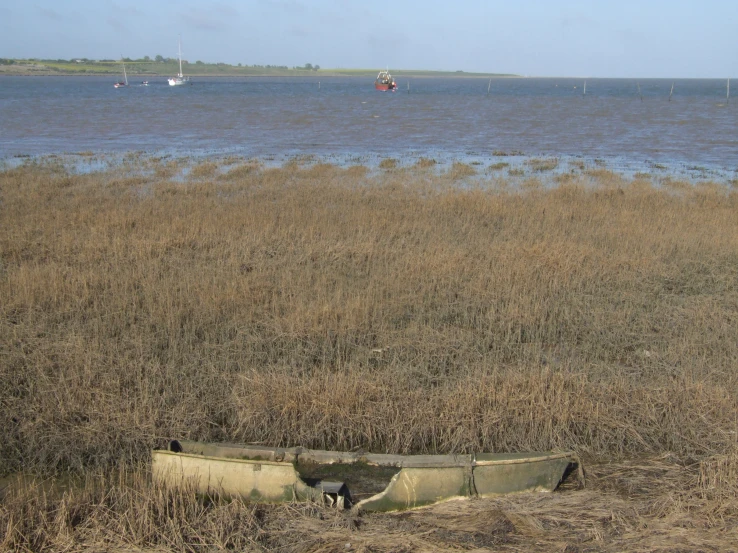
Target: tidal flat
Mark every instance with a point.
(407, 307)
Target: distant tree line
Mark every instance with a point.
(161, 59)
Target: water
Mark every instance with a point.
(451, 117)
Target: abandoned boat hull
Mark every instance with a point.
(264, 481)
(274, 474)
(514, 473)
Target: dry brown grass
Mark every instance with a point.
(499, 166)
(640, 506)
(166, 170)
(425, 163)
(241, 171)
(320, 306)
(542, 165)
(460, 170)
(205, 169)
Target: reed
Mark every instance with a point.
(632, 506)
(388, 163)
(539, 165)
(250, 307)
(330, 307)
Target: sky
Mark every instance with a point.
(575, 38)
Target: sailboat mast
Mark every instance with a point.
(179, 49)
(123, 63)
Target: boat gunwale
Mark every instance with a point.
(299, 454)
(538, 459)
(227, 459)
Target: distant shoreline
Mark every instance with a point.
(148, 76)
(27, 68)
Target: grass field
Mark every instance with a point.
(338, 308)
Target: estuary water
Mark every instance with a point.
(346, 117)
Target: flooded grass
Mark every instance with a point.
(425, 163)
(460, 170)
(542, 165)
(206, 169)
(329, 307)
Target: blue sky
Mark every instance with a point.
(626, 38)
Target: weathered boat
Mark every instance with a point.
(363, 481)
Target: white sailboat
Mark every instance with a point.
(179, 79)
(124, 82)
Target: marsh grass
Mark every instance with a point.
(539, 165)
(126, 511)
(240, 171)
(166, 170)
(651, 504)
(228, 309)
(326, 307)
(425, 163)
(460, 170)
(205, 169)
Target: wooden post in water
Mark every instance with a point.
(671, 91)
(727, 94)
(318, 85)
(408, 87)
(584, 92)
(488, 86)
(639, 90)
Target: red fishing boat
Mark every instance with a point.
(384, 81)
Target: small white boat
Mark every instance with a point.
(124, 82)
(180, 79)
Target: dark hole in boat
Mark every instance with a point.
(361, 479)
(573, 477)
(335, 494)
